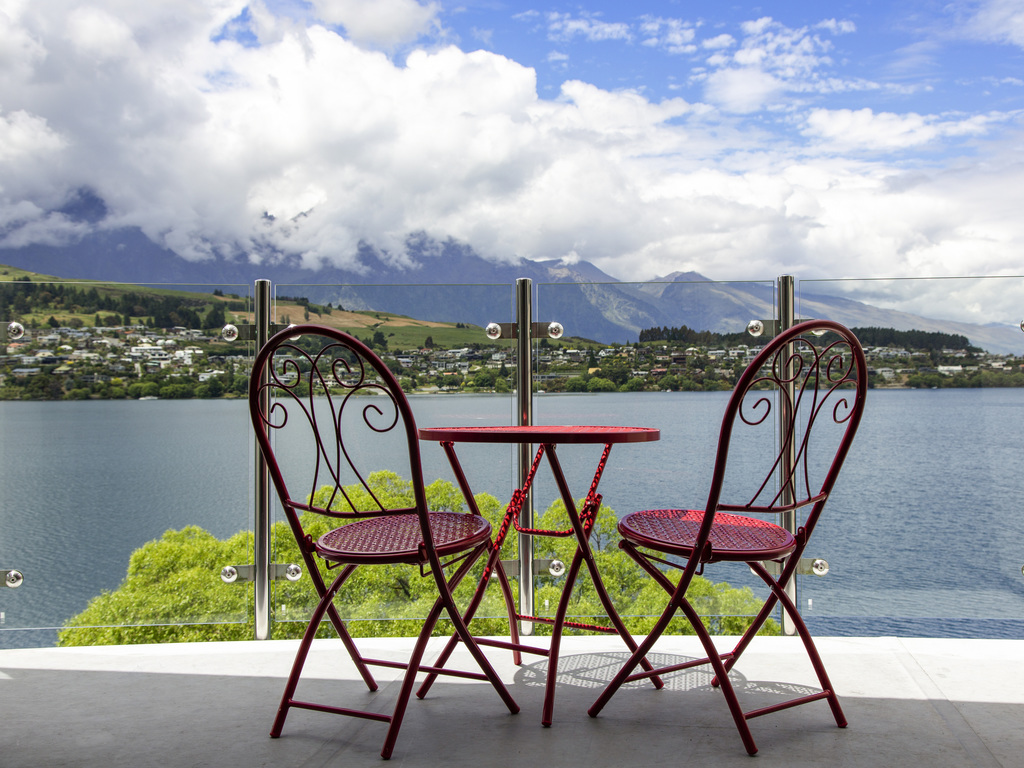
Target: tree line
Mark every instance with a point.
(22, 296)
(871, 336)
(696, 338)
(923, 341)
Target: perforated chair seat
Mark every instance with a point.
(399, 538)
(733, 537)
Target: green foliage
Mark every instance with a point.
(576, 384)
(600, 384)
(71, 301)
(922, 340)
(962, 380)
(173, 579)
(634, 384)
(484, 379)
(687, 335)
(176, 579)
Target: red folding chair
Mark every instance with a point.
(802, 397)
(318, 397)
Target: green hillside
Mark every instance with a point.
(39, 301)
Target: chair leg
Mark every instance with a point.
(722, 676)
(339, 624)
(493, 564)
(409, 680)
(480, 658)
(619, 624)
(640, 653)
(813, 655)
(679, 603)
(326, 601)
(445, 602)
(762, 615)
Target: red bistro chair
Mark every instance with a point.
(327, 396)
(829, 378)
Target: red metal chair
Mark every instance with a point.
(317, 396)
(797, 388)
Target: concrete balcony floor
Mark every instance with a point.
(909, 702)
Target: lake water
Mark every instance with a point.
(924, 533)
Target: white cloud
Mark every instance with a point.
(100, 35)
(24, 136)
(672, 35)
(307, 143)
(837, 26)
(743, 89)
(772, 63)
(998, 20)
(564, 27)
(718, 42)
(846, 129)
(385, 23)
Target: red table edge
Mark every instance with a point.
(541, 434)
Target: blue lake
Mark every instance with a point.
(924, 534)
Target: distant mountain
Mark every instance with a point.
(468, 288)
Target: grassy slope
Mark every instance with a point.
(402, 332)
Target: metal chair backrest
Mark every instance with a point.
(795, 411)
(327, 412)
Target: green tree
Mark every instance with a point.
(600, 384)
(576, 384)
(143, 389)
(484, 379)
(176, 579)
(635, 384)
(216, 318)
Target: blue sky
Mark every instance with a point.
(902, 55)
(741, 141)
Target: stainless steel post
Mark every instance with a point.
(524, 395)
(787, 319)
(261, 527)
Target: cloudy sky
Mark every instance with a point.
(848, 139)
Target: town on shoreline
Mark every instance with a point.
(138, 362)
(81, 341)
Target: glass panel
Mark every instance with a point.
(433, 337)
(671, 367)
(126, 455)
(923, 532)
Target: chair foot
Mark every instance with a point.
(278, 726)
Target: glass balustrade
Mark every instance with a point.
(433, 337)
(924, 532)
(127, 460)
(673, 370)
(122, 489)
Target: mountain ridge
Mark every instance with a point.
(468, 288)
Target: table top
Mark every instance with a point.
(541, 434)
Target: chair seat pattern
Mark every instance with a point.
(733, 537)
(399, 538)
